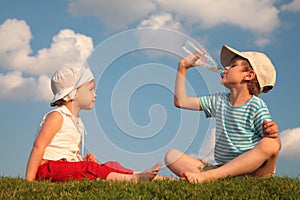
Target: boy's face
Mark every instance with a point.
(234, 74)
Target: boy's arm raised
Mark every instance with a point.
(181, 100)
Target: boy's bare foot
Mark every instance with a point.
(148, 174)
(195, 177)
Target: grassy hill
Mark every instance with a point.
(230, 188)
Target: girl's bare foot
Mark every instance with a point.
(168, 178)
(148, 174)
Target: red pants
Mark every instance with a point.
(64, 170)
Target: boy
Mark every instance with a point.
(246, 139)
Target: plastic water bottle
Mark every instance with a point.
(206, 59)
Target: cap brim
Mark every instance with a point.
(227, 54)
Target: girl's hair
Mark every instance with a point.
(59, 102)
(252, 85)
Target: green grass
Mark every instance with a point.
(231, 188)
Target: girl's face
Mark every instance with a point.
(86, 96)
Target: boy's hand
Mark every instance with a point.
(90, 157)
(270, 129)
(190, 60)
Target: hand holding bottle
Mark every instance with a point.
(198, 56)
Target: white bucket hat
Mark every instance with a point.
(260, 63)
(67, 79)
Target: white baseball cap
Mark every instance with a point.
(260, 63)
(67, 79)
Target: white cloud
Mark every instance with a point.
(262, 41)
(254, 15)
(30, 72)
(206, 151)
(43, 90)
(290, 140)
(115, 15)
(293, 6)
(15, 36)
(14, 86)
(164, 20)
(66, 47)
(161, 35)
(260, 17)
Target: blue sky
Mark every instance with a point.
(134, 120)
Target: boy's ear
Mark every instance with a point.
(250, 75)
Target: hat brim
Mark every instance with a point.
(227, 54)
(61, 94)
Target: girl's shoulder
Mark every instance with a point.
(52, 119)
(59, 112)
(53, 116)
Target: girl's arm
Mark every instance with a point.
(52, 125)
(181, 100)
(90, 157)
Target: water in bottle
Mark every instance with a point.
(206, 59)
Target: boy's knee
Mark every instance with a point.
(270, 145)
(171, 156)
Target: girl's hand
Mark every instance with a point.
(190, 60)
(270, 129)
(90, 157)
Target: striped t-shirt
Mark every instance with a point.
(238, 128)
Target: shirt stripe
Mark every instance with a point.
(238, 128)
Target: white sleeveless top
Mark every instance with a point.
(65, 144)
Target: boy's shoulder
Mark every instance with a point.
(259, 102)
(257, 98)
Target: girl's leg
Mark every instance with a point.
(259, 161)
(117, 167)
(147, 175)
(64, 171)
(179, 162)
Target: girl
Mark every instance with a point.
(55, 154)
